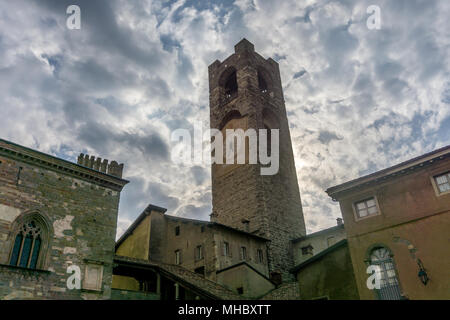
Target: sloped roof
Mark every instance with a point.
(319, 255)
(248, 266)
(398, 170)
(136, 222)
(188, 278)
(320, 232)
(152, 207)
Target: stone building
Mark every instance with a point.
(55, 214)
(246, 247)
(398, 220)
(246, 93)
(232, 258)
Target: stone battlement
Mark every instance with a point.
(112, 168)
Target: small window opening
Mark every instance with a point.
(231, 86)
(262, 83)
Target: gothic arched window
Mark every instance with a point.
(389, 284)
(28, 243)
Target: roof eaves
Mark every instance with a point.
(319, 255)
(391, 172)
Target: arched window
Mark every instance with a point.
(28, 243)
(231, 86)
(389, 284)
(262, 83)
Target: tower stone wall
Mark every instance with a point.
(267, 205)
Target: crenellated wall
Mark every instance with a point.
(78, 207)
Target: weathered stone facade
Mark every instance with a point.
(268, 205)
(77, 209)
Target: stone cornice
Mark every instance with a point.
(46, 161)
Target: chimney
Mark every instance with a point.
(339, 222)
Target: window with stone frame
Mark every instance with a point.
(226, 249)
(29, 243)
(199, 252)
(307, 250)
(243, 253)
(259, 256)
(443, 182)
(330, 241)
(366, 208)
(178, 257)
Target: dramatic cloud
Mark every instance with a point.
(358, 100)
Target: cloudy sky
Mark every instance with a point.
(358, 100)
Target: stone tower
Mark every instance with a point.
(245, 92)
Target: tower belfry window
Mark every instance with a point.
(262, 83)
(231, 86)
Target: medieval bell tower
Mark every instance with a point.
(245, 92)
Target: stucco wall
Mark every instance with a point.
(330, 277)
(319, 242)
(136, 245)
(411, 214)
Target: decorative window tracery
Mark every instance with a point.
(27, 245)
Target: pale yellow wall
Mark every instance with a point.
(136, 245)
(124, 283)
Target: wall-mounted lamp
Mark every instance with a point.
(423, 276)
